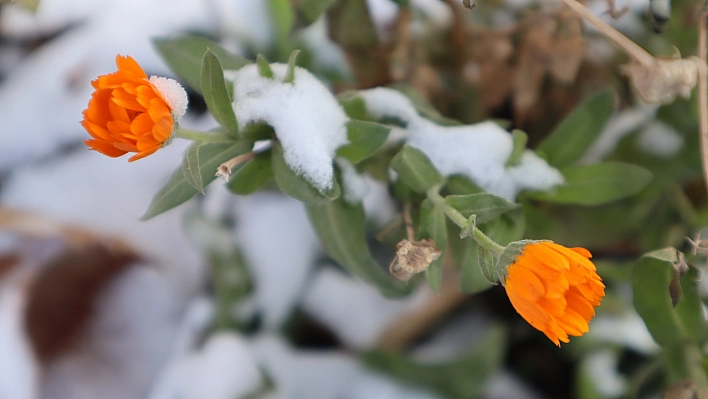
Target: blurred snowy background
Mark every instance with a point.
(95, 303)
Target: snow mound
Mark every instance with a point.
(478, 151)
(307, 118)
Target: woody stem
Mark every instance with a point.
(631, 48)
(482, 239)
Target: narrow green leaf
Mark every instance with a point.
(433, 226)
(184, 56)
(364, 139)
(290, 74)
(487, 265)
(690, 309)
(460, 185)
(651, 279)
(574, 135)
(216, 94)
(178, 191)
(257, 132)
(354, 106)
(486, 206)
(340, 227)
(463, 377)
(253, 175)
(415, 169)
(312, 9)
(190, 167)
(297, 186)
(597, 184)
(264, 67)
(283, 17)
(519, 140)
(472, 279)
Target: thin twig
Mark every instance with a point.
(703, 92)
(224, 170)
(410, 230)
(631, 48)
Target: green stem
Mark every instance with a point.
(195, 135)
(482, 239)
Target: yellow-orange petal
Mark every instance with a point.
(127, 113)
(555, 289)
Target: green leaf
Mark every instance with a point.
(486, 206)
(690, 308)
(340, 227)
(460, 185)
(464, 377)
(597, 184)
(312, 9)
(184, 56)
(253, 175)
(178, 190)
(257, 131)
(519, 140)
(297, 186)
(190, 167)
(283, 16)
(433, 226)
(415, 169)
(216, 94)
(264, 67)
(651, 280)
(487, 264)
(290, 74)
(472, 279)
(574, 135)
(354, 106)
(364, 139)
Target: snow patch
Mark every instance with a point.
(354, 310)
(355, 185)
(661, 140)
(306, 117)
(173, 93)
(478, 151)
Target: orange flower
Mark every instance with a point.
(555, 289)
(130, 113)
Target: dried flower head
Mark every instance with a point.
(130, 113)
(413, 257)
(555, 289)
(665, 79)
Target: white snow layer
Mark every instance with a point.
(173, 93)
(19, 370)
(478, 151)
(661, 140)
(306, 117)
(222, 369)
(354, 310)
(280, 248)
(324, 375)
(355, 185)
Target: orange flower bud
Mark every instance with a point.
(130, 113)
(555, 289)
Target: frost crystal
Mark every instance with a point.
(478, 151)
(306, 117)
